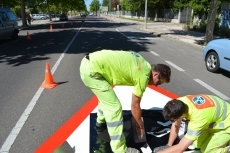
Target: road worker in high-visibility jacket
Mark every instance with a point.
(208, 126)
(99, 70)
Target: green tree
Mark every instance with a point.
(105, 2)
(180, 4)
(132, 5)
(199, 6)
(9, 3)
(94, 6)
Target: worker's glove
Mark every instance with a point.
(160, 148)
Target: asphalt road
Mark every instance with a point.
(22, 66)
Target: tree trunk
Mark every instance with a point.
(23, 13)
(211, 21)
(48, 7)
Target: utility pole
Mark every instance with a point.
(110, 9)
(146, 14)
(96, 7)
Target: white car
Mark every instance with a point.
(39, 17)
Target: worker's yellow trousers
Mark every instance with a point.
(109, 106)
(213, 142)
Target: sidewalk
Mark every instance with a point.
(36, 23)
(175, 31)
(166, 29)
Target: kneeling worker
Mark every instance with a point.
(208, 126)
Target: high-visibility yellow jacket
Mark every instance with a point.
(206, 112)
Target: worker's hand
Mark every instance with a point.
(160, 148)
(140, 132)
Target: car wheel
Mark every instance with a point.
(15, 35)
(212, 62)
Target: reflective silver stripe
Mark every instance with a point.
(115, 137)
(217, 107)
(225, 109)
(47, 70)
(224, 116)
(221, 125)
(114, 124)
(100, 111)
(194, 133)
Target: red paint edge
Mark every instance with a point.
(60, 136)
(164, 92)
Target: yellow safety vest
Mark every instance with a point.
(206, 112)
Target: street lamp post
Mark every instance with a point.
(110, 9)
(146, 14)
(96, 8)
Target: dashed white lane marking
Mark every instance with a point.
(138, 37)
(154, 53)
(182, 70)
(175, 66)
(212, 89)
(17, 128)
(139, 44)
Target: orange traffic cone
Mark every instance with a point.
(51, 27)
(49, 82)
(62, 25)
(28, 36)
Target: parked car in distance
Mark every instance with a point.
(46, 16)
(39, 17)
(63, 17)
(8, 24)
(83, 15)
(217, 55)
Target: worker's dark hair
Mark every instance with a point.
(164, 70)
(174, 109)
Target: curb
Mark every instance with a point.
(157, 34)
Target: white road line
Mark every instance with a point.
(212, 89)
(128, 37)
(175, 66)
(17, 128)
(122, 34)
(154, 53)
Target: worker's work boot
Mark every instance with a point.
(132, 150)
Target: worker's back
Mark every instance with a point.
(120, 67)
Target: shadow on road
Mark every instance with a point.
(93, 36)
